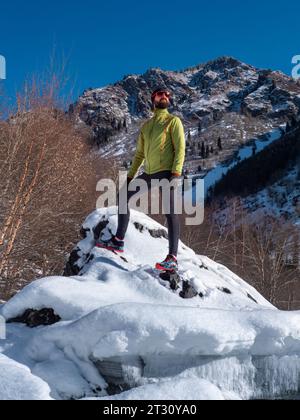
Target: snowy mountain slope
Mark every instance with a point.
(124, 329)
(282, 198)
(269, 182)
(215, 174)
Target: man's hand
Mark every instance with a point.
(175, 180)
(174, 175)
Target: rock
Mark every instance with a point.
(172, 277)
(121, 373)
(34, 318)
(188, 291)
(251, 298)
(71, 268)
(225, 290)
(155, 233)
(99, 228)
(83, 232)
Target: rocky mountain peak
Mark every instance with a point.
(222, 93)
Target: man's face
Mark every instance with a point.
(162, 100)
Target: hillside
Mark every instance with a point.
(267, 182)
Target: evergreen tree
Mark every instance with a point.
(207, 152)
(203, 150)
(220, 147)
(199, 127)
(293, 122)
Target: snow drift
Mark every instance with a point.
(124, 333)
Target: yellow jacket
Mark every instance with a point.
(161, 144)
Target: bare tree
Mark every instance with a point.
(48, 180)
(264, 252)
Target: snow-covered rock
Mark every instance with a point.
(184, 388)
(125, 334)
(18, 383)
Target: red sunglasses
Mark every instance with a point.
(168, 94)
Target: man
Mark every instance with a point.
(161, 145)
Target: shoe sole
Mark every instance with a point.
(109, 248)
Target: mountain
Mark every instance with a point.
(120, 332)
(223, 98)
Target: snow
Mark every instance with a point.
(245, 152)
(227, 342)
(205, 103)
(109, 279)
(63, 377)
(18, 383)
(2, 327)
(144, 329)
(183, 388)
(282, 198)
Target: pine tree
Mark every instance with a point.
(199, 127)
(203, 150)
(293, 122)
(220, 147)
(207, 152)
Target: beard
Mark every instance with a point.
(162, 104)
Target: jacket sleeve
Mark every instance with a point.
(139, 157)
(178, 139)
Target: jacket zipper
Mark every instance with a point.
(151, 131)
(162, 141)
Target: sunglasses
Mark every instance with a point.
(162, 93)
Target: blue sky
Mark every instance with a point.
(103, 41)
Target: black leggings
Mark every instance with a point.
(172, 218)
